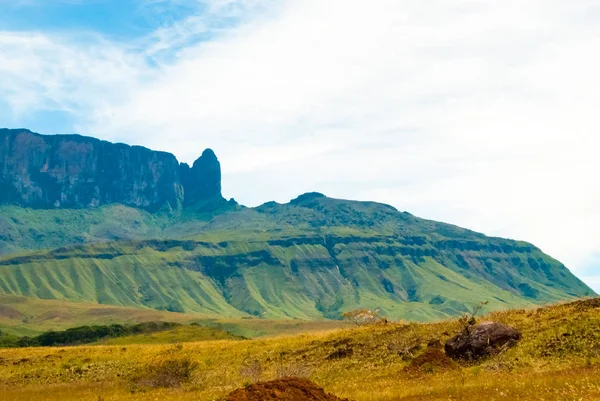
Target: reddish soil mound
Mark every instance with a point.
(289, 389)
(430, 361)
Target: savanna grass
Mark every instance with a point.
(557, 359)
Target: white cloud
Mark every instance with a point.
(43, 73)
(480, 113)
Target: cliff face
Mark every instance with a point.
(72, 171)
(203, 180)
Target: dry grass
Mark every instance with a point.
(558, 359)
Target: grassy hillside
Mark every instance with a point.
(32, 316)
(558, 359)
(313, 258)
(178, 335)
(23, 316)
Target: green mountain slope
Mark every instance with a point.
(312, 258)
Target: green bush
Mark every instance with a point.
(88, 334)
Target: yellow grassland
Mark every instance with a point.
(558, 359)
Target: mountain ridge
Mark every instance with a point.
(311, 258)
(75, 171)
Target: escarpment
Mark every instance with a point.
(73, 171)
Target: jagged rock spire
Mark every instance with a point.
(202, 181)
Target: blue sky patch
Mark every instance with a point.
(115, 19)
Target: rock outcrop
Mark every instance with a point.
(203, 180)
(482, 340)
(73, 171)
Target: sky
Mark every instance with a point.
(480, 113)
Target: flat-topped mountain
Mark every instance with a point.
(73, 171)
(113, 241)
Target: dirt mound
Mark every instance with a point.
(431, 361)
(289, 389)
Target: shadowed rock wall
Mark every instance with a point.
(72, 171)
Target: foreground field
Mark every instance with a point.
(558, 359)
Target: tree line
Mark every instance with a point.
(84, 334)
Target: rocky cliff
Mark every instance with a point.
(203, 180)
(72, 171)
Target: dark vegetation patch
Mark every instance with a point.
(221, 267)
(166, 245)
(85, 334)
(341, 353)
(61, 254)
(107, 252)
(528, 291)
(483, 245)
(287, 242)
(437, 300)
(387, 285)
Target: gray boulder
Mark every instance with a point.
(482, 340)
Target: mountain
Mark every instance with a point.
(311, 258)
(72, 171)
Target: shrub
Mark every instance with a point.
(299, 370)
(467, 321)
(168, 373)
(252, 370)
